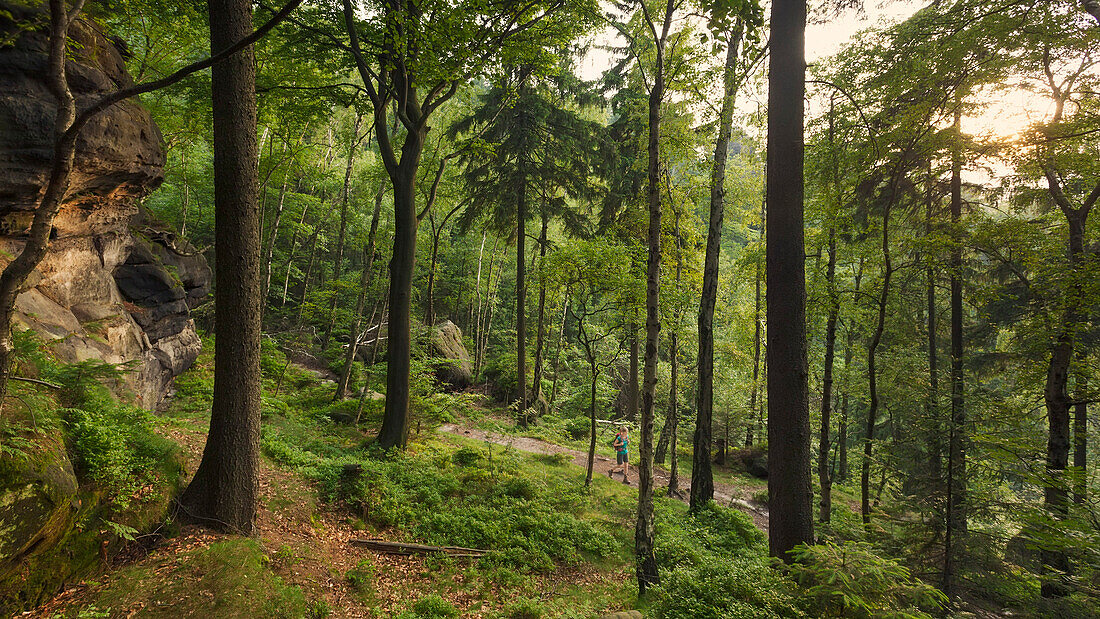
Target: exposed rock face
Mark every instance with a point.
(458, 370)
(116, 285)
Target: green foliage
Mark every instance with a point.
(430, 607)
(850, 579)
(714, 566)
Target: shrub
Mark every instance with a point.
(115, 446)
(735, 588)
(850, 580)
(431, 607)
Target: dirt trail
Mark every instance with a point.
(726, 494)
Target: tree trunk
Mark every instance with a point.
(932, 407)
(824, 474)
(673, 411)
(557, 352)
(702, 480)
(308, 275)
(755, 389)
(632, 377)
(956, 457)
(789, 489)
(225, 488)
(645, 560)
(540, 327)
(338, 259)
(592, 421)
(361, 301)
(272, 236)
(521, 304)
(1056, 499)
(395, 421)
(872, 373)
(1080, 430)
(477, 323)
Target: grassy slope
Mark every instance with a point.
(557, 550)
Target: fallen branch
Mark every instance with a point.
(35, 381)
(403, 548)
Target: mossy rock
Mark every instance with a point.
(52, 529)
(38, 499)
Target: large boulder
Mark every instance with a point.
(115, 285)
(455, 367)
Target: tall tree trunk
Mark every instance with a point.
(477, 322)
(671, 421)
(632, 391)
(824, 474)
(1081, 430)
(307, 277)
(185, 203)
(755, 388)
(302, 220)
(702, 480)
(872, 371)
(361, 301)
(521, 303)
(540, 327)
(272, 236)
(956, 457)
(557, 351)
(645, 559)
(225, 488)
(673, 410)
(932, 407)
(395, 421)
(1056, 394)
(789, 489)
(338, 259)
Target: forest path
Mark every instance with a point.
(726, 494)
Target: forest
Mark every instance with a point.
(355, 308)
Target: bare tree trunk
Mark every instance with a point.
(789, 489)
(308, 275)
(338, 259)
(225, 488)
(872, 373)
(477, 323)
(395, 422)
(645, 559)
(272, 236)
(1056, 394)
(702, 480)
(673, 410)
(557, 352)
(540, 328)
(521, 302)
(185, 203)
(1081, 430)
(755, 389)
(956, 457)
(824, 474)
(360, 303)
(632, 391)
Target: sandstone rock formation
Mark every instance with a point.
(116, 285)
(457, 370)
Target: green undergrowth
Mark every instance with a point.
(82, 473)
(229, 578)
(530, 512)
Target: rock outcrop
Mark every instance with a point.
(456, 369)
(116, 285)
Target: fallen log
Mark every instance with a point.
(406, 548)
